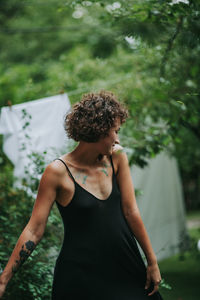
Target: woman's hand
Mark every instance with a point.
(153, 275)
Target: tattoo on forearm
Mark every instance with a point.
(24, 253)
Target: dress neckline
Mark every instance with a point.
(86, 191)
(76, 183)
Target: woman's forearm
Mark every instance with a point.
(137, 226)
(23, 248)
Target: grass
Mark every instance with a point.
(193, 215)
(182, 272)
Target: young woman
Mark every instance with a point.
(92, 187)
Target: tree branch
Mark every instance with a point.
(169, 47)
(193, 129)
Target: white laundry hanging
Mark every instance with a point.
(161, 203)
(45, 131)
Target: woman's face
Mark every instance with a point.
(107, 143)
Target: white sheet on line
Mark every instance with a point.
(161, 203)
(45, 131)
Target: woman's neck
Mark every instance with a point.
(86, 154)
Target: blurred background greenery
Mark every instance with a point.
(147, 52)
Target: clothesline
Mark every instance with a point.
(86, 89)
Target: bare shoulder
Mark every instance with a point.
(56, 168)
(119, 159)
(54, 172)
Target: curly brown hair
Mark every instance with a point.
(92, 117)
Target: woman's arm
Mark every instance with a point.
(132, 215)
(34, 230)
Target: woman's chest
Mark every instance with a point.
(97, 184)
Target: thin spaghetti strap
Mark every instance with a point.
(112, 164)
(70, 174)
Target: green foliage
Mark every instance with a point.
(191, 248)
(182, 271)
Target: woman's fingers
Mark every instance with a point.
(148, 281)
(153, 276)
(154, 290)
(156, 287)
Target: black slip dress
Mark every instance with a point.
(99, 258)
